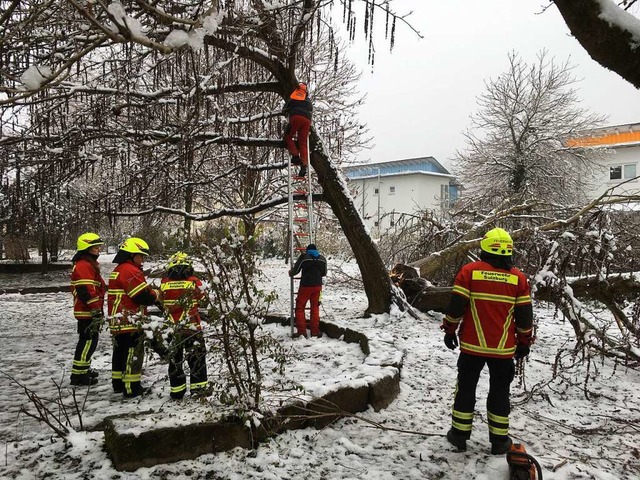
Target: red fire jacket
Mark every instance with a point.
(88, 288)
(128, 296)
(180, 299)
(494, 306)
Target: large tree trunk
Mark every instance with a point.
(606, 43)
(418, 292)
(377, 283)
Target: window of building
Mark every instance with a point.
(444, 196)
(615, 173)
(392, 190)
(375, 191)
(620, 172)
(375, 224)
(630, 170)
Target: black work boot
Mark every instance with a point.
(202, 392)
(456, 440)
(118, 385)
(303, 171)
(295, 160)
(83, 380)
(500, 447)
(93, 373)
(177, 395)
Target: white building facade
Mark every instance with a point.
(387, 193)
(619, 164)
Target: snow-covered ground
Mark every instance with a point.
(581, 422)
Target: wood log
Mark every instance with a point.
(419, 292)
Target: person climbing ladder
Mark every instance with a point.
(298, 110)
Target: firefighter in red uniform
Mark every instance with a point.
(182, 293)
(127, 297)
(88, 290)
(298, 110)
(491, 298)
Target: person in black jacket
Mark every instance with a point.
(298, 110)
(313, 267)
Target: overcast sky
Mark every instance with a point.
(419, 98)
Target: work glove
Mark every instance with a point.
(451, 341)
(521, 351)
(97, 320)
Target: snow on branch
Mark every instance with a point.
(224, 212)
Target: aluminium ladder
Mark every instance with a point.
(301, 224)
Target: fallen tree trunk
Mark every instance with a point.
(420, 293)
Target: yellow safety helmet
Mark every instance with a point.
(179, 258)
(135, 245)
(88, 240)
(497, 242)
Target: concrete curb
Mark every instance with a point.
(379, 387)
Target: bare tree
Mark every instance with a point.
(159, 89)
(516, 144)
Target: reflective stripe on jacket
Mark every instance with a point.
(125, 282)
(488, 324)
(88, 288)
(180, 299)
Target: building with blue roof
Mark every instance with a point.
(387, 193)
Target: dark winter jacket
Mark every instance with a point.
(298, 107)
(313, 267)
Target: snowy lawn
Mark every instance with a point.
(577, 425)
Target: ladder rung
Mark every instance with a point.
(300, 192)
(301, 220)
(300, 205)
(301, 234)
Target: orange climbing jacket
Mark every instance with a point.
(299, 103)
(300, 93)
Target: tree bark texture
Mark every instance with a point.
(375, 277)
(419, 293)
(607, 44)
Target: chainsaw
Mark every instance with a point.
(522, 466)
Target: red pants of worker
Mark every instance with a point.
(299, 127)
(306, 294)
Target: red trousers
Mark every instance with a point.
(306, 294)
(299, 127)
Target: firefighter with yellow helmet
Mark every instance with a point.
(88, 288)
(127, 298)
(182, 293)
(491, 304)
